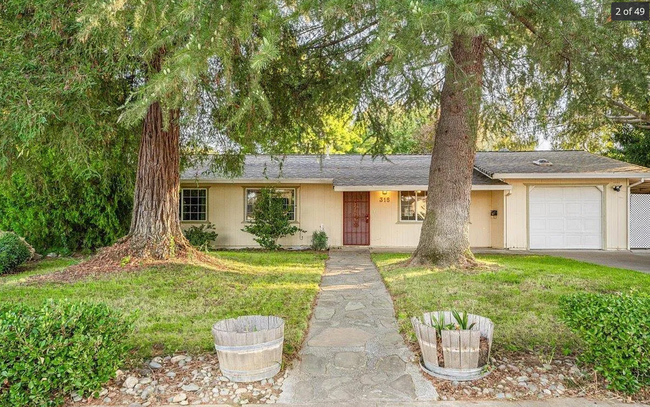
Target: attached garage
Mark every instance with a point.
(565, 217)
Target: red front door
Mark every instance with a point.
(356, 218)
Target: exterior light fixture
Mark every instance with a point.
(384, 192)
(617, 188)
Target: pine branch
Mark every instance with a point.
(635, 118)
(345, 37)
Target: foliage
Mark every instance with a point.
(64, 205)
(519, 293)
(66, 165)
(171, 313)
(438, 323)
(615, 330)
(14, 251)
(201, 236)
(631, 145)
(319, 240)
(461, 321)
(61, 347)
(270, 220)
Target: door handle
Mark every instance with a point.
(367, 218)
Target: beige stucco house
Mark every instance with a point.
(520, 200)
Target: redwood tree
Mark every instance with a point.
(186, 54)
(155, 224)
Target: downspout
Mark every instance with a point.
(629, 192)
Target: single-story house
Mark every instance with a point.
(519, 200)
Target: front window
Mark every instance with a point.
(288, 196)
(413, 205)
(194, 204)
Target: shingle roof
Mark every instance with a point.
(357, 170)
(574, 162)
(342, 170)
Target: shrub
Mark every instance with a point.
(615, 329)
(201, 236)
(319, 240)
(270, 220)
(72, 204)
(14, 251)
(49, 352)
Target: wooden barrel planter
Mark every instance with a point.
(250, 347)
(459, 355)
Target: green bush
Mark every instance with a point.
(615, 329)
(270, 220)
(14, 251)
(49, 352)
(201, 236)
(319, 240)
(63, 205)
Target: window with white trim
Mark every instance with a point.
(193, 204)
(288, 196)
(412, 206)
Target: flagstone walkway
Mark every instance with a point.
(354, 351)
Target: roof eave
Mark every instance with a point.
(560, 175)
(362, 188)
(258, 180)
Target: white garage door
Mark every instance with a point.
(565, 218)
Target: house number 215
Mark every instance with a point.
(384, 199)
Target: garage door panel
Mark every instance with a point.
(574, 225)
(592, 226)
(555, 209)
(537, 225)
(574, 241)
(592, 241)
(539, 208)
(573, 209)
(565, 218)
(555, 224)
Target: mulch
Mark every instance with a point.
(118, 259)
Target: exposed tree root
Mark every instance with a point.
(123, 257)
(461, 261)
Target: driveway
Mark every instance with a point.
(630, 260)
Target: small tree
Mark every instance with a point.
(270, 220)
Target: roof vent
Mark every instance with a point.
(543, 162)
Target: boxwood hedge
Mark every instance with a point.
(13, 251)
(615, 329)
(48, 352)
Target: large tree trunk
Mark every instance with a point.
(155, 225)
(444, 240)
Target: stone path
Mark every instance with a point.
(354, 352)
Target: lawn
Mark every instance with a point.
(176, 305)
(519, 293)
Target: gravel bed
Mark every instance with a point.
(182, 380)
(526, 377)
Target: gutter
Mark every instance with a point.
(272, 181)
(361, 188)
(568, 175)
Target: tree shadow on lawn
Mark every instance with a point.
(177, 304)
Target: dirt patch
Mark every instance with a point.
(117, 259)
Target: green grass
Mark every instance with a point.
(519, 293)
(177, 305)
